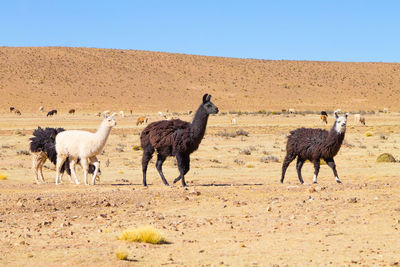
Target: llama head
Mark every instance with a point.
(340, 123)
(109, 120)
(208, 105)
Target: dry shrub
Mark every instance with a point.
(385, 157)
(145, 234)
(121, 254)
(269, 159)
(368, 134)
(136, 148)
(3, 176)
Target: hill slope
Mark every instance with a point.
(96, 79)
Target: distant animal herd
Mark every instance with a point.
(172, 137)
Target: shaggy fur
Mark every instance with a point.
(83, 145)
(175, 138)
(42, 146)
(314, 144)
(51, 112)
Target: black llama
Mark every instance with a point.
(42, 146)
(314, 144)
(51, 112)
(175, 138)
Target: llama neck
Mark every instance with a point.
(102, 134)
(333, 142)
(199, 123)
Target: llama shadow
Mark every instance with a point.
(212, 184)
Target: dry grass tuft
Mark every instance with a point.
(145, 234)
(385, 157)
(3, 176)
(136, 148)
(121, 254)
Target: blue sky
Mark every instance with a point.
(324, 30)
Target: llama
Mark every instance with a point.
(41, 108)
(141, 120)
(85, 145)
(359, 118)
(16, 111)
(51, 112)
(122, 114)
(12, 109)
(42, 147)
(71, 111)
(175, 138)
(314, 144)
(233, 120)
(324, 117)
(292, 111)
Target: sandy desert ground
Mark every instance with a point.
(234, 213)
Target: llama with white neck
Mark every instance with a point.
(82, 145)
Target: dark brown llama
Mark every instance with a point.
(314, 144)
(175, 138)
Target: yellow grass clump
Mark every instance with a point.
(3, 176)
(145, 234)
(136, 148)
(121, 254)
(368, 134)
(385, 157)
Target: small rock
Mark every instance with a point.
(352, 200)
(269, 208)
(312, 190)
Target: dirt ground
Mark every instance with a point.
(234, 213)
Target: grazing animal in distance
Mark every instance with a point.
(141, 120)
(175, 138)
(359, 118)
(324, 117)
(41, 108)
(314, 144)
(122, 114)
(12, 109)
(233, 120)
(292, 111)
(16, 111)
(42, 147)
(83, 145)
(51, 112)
(71, 111)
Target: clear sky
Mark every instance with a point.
(328, 30)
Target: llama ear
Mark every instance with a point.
(347, 114)
(112, 115)
(205, 98)
(335, 113)
(208, 98)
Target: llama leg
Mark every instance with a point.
(316, 170)
(182, 162)
(186, 165)
(159, 163)
(66, 168)
(41, 163)
(96, 164)
(72, 163)
(299, 165)
(85, 167)
(147, 155)
(331, 163)
(35, 166)
(288, 159)
(60, 161)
